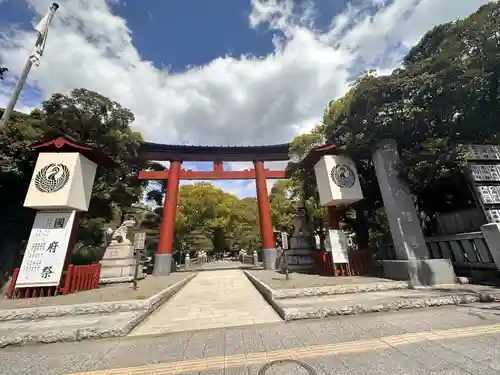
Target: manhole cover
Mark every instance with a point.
(288, 366)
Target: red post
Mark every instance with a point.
(12, 285)
(169, 209)
(333, 217)
(67, 280)
(266, 226)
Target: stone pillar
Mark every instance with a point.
(163, 259)
(491, 233)
(255, 258)
(269, 253)
(411, 250)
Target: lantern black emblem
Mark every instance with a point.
(343, 176)
(52, 178)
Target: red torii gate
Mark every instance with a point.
(176, 154)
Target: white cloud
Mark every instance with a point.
(231, 100)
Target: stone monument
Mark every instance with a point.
(413, 261)
(118, 262)
(300, 252)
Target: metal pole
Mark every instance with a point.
(15, 93)
(136, 270)
(22, 79)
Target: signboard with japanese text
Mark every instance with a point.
(336, 242)
(140, 241)
(45, 254)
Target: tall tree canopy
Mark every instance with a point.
(446, 94)
(85, 117)
(209, 219)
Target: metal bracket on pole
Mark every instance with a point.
(40, 43)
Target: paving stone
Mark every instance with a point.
(234, 342)
(252, 340)
(270, 339)
(215, 343)
(383, 362)
(331, 365)
(303, 333)
(223, 299)
(484, 349)
(219, 371)
(195, 346)
(287, 336)
(476, 355)
(241, 370)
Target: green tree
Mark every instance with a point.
(208, 219)
(445, 95)
(86, 117)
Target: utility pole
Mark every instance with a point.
(42, 29)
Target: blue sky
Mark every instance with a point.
(218, 72)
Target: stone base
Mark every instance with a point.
(421, 272)
(299, 260)
(117, 280)
(118, 263)
(269, 258)
(163, 265)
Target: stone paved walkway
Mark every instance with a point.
(460, 340)
(222, 298)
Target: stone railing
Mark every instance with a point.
(464, 250)
(472, 254)
(468, 252)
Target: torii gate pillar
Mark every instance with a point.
(269, 253)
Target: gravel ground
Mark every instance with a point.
(277, 280)
(110, 293)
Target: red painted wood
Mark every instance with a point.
(12, 285)
(169, 209)
(211, 175)
(74, 278)
(266, 225)
(67, 280)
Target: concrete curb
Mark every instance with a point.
(273, 297)
(267, 292)
(77, 334)
(293, 313)
(31, 313)
(329, 290)
(122, 329)
(339, 289)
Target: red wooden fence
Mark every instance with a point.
(74, 279)
(360, 262)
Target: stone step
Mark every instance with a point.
(333, 290)
(389, 300)
(68, 328)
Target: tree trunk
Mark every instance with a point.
(362, 233)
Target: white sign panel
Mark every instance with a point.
(284, 240)
(337, 181)
(336, 241)
(43, 260)
(140, 241)
(61, 181)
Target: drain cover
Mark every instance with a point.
(292, 364)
